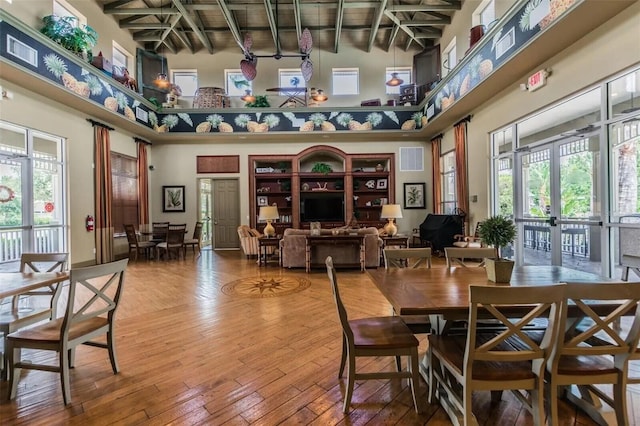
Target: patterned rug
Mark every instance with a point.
(261, 287)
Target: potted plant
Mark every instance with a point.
(260, 102)
(498, 231)
(323, 168)
(69, 33)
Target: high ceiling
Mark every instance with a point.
(191, 26)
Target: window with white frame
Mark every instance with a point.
(345, 81)
(291, 78)
(63, 8)
(122, 58)
(404, 73)
(448, 179)
(484, 14)
(450, 59)
(187, 80)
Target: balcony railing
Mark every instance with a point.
(45, 240)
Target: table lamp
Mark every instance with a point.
(391, 211)
(269, 213)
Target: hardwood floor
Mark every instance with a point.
(191, 354)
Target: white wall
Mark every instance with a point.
(176, 165)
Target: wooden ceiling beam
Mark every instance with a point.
(423, 8)
(375, 25)
(231, 23)
(407, 30)
(193, 24)
(143, 11)
(273, 25)
(339, 19)
(297, 17)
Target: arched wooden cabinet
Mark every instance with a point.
(322, 184)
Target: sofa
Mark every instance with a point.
(293, 248)
(249, 241)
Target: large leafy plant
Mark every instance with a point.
(69, 33)
(497, 231)
(260, 102)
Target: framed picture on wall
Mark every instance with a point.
(173, 198)
(414, 196)
(263, 201)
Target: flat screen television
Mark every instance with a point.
(322, 207)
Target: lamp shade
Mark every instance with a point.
(162, 81)
(268, 213)
(394, 80)
(391, 211)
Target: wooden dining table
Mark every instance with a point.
(16, 283)
(443, 295)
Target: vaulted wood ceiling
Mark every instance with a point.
(191, 26)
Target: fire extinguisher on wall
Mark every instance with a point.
(89, 223)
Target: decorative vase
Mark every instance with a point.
(499, 270)
(379, 168)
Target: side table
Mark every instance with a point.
(263, 243)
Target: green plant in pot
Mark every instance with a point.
(69, 33)
(323, 168)
(498, 231)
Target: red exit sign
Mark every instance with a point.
(537, 80)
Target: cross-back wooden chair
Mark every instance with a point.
(457, 255)
(135, 246)
(374, 337)
(94, 295)
(15, 318)
(195, 241)
(407, 257)
(594, 350)
(410, 258)
(174, 242)
(508, 359)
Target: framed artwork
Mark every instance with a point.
(263, 201)
(173, 198)
(236, 84)
(381, 184)
(414, 196)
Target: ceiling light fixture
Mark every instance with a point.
(161, 81)
(395, 80)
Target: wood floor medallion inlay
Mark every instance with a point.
(262, 287)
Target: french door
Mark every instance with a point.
(558, 204)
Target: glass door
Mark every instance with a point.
(204, 210)
(561, 220)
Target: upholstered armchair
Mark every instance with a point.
(249, 240)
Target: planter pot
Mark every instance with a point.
(499, 270)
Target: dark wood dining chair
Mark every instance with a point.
(136, 246)
(374, 337)
(174, 242)
(509, 359)
(594, 350)
(15, 318)
(94, 295)
(195, 241)
(159, 232)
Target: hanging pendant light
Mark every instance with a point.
(248, 97)
(319, 95)
(394, 80)
(161, 81)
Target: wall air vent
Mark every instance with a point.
(412, 159)
(20, 50)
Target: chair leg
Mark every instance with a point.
(351, 378)
(111, 347)
(13, 372)
(432, 380)
(625, 273)
(537, 402)
(553, 403)
(469, 418)
(620, 400)
(64, 356)
(398, 364)
(343, 357)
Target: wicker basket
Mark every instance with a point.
(210, 97)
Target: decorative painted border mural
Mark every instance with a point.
(55, 65)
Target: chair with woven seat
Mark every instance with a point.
(410, 258)
(159, 232)
(508, 359)
(135, 246)
(15, 318)
(175, 241)
(195, 241)
(593, 350)
(374, 337)
(94, 295)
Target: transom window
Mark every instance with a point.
(291, 78)
(345, 81)
(404, 73)
(450, 58)
(122, 58)
(187, 80)
(63, 8)
(484, 14)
